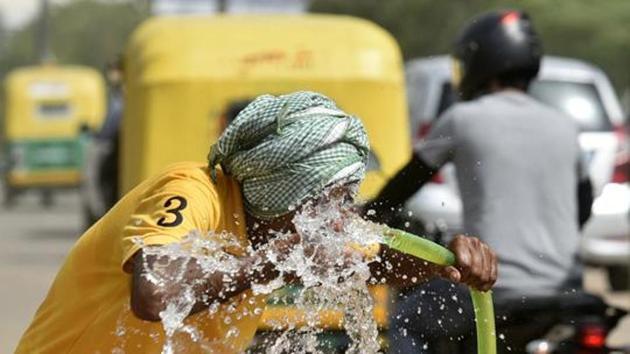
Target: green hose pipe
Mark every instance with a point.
(434, 253)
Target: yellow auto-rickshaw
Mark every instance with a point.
(182, 73)
(46, 109)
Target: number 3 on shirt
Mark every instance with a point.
(176, 205)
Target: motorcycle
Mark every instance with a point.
(571, 322)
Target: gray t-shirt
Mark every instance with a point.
(517, 164)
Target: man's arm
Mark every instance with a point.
(149, 299)
(400, 188)
(476, 266)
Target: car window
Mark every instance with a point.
(579, 100)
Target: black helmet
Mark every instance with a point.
(494, 45)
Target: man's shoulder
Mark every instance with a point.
(192, 175)
(551, 116)
(512, 102)
(186, 169)
(466, 108)
(462, 110)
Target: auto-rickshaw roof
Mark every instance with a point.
(237, 47)
(80, 78)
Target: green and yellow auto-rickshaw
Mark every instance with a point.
(46, 109)
(182, 73)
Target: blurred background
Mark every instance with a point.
(92, 88)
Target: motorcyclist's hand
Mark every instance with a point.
(476, 263)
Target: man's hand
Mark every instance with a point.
(476, 263)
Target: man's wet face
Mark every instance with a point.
(339, 197)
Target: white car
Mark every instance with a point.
(578, 89)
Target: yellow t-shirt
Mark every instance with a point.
(87, 308)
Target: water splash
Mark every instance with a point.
(329, 261)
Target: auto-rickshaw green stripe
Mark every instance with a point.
(46, 154)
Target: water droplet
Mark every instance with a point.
(233, 332)
(120, 331)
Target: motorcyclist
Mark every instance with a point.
(518, 168)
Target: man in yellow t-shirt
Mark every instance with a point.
(278, 152)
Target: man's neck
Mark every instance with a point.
(496, 87)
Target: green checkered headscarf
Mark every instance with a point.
(287, 148)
